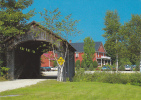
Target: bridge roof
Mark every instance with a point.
(42, 27)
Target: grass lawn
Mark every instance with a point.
(2, 79)
(53, 90)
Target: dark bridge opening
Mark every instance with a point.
(27, 59)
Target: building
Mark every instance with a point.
(47, 59)
(100, 53)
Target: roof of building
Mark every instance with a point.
(79, 46)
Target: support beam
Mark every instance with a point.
(110, 61)
(10, 63)
(101, 62)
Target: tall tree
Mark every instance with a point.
(12, 19)
(130, 34)
(63, 26)
(89, 50)
(112, 26)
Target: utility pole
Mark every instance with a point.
(140, 55)
(116, 57)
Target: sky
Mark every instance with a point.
(91, 14)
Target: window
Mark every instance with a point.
(77, 55)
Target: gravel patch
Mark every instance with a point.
(10, 85)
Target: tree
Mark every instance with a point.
(77, 64)
(95, 64)
(124, 61)
(54, 63)
(112, 26)
(12, 19)
(131, 36)
(91, 67)
(88, 53)
(82, 64)
(128, 36)
(62, 26)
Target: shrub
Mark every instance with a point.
(119, 78)
(85, 66)
(95, 64)
(54, 63)
(4, 72)
(97, 69)
(122, 68)
(91, 67)
(82, 64)
(77, 64)
(137, 68)
(77, 67)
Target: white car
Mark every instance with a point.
(54, 68)
(128, 68)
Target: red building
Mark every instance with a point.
(47, 59)
(100, 53)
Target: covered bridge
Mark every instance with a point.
(23, 52)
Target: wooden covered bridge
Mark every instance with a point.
(23, 52)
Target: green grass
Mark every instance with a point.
(2, 79)
(53, 90)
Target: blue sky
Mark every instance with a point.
(91, 13)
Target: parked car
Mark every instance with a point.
(128, 68)
(105, 68)
(54, 68)
(134, 66)
(45, 68)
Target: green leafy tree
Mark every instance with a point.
(12, 19)
(82, 64)
(89, 50)
(128, 36)
(95, 64)
(124, 61)
(77, 64)
(62, 26)
(91, 68)
(54, 63)
(131, 36)
(137, 68)
(112, 26)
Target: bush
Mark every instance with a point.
(91, 67)
(121, 68)
(119, 78)
(85, 66)
(82, 64)
(4, 72)
(77, 67)
(137, 68)
(77, 64)
(97, 69)
(95, 64)
(54, 63)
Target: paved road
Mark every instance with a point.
(91, 72)
(9, 85)
(50, 73)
